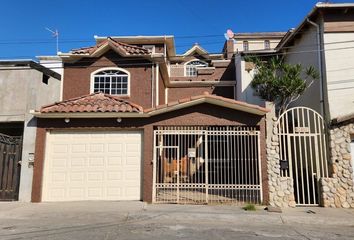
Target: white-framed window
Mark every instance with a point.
(151, 48)
(266, 44)
(191, 67)
(114, 81)
(245, 46)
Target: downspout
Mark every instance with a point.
(319, 52)
(157, 84)
(152, 85)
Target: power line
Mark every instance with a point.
(249, 53)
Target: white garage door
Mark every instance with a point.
(92, 166)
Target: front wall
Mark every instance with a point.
(203, 114)
(180, 93)
(77, 77)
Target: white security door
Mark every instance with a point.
(92, 166)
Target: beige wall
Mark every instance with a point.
(257, 44)
(305, 52)
(22, 90)
(340, 72)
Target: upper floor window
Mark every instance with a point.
(191, 67)
(245, 46)
(114, 81)
(266, 44)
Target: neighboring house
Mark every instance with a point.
(324, 40)
(25, 85)
(139, 122)
(261, 44)
(257, 41)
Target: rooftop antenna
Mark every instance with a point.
(56, 35)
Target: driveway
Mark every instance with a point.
(136, 220)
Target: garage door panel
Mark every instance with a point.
(96, 161)
(77, 162)
(61, 148)
(78, 148)
(114, 160)
(92, 166)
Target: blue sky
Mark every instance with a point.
(23, 23)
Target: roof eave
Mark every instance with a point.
(88, 115)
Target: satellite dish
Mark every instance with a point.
(229, 35)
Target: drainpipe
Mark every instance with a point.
(152, 85)
(319, 52)
(157, 84)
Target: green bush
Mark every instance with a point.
(249, 207)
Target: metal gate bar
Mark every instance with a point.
(302, 144)
(199, 165)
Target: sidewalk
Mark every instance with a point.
(137, 220)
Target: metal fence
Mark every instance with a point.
(200, 165)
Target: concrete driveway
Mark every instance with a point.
(136, 220)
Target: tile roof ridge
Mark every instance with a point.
(126, 44)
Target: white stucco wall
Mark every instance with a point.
(21, 91)
(244, 91)
(339, 55)
(305, 52)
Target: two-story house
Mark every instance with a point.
(139, 122)
(25, 85)
(325, 40)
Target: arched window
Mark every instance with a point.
(114, 81)
(191, 67)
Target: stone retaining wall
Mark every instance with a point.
(338, 191)
(281, 190)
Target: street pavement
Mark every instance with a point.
(137, 220)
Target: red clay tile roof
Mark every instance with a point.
(122, 47)
(96, 102)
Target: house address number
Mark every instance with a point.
(302, 129)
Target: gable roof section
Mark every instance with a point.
(196, 49)
(99, 105)
(211, 99)
(289, 36)
(93, 103)
(121, 48)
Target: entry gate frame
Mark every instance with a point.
(206, 133)
(289, 139)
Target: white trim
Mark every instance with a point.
(110, 68)
(157, 84)
(166, 95)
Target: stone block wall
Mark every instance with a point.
(338, 191)
(281, 189)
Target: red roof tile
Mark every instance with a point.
(96, 102)
(126, 48)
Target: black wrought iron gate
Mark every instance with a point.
(10, 155)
